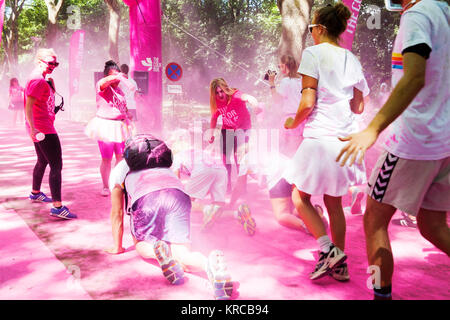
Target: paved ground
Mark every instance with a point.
(46, 258)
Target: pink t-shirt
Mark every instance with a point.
(235, 114)
(44, 106)
(111, 103)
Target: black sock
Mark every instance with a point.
(384, 293)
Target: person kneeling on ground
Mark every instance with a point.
(160, 214)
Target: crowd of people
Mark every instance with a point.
(319, 99)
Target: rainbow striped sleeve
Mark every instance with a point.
(397, 61)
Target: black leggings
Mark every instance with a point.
(232, 140)
(48, 151)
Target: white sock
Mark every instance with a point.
(324, 243)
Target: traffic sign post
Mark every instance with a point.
(174, 72)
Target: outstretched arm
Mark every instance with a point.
(413, 80)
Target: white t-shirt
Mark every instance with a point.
(338, 71)
(422, 132)
(140, 183)
(290, 89)
(129, 93)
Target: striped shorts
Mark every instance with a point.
(409, 185)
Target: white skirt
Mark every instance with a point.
(314, 169)
(108, 130)
(205, 180)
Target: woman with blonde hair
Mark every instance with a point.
(230, 103)
(40, 117)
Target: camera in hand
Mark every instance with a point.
(266, 77)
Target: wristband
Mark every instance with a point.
(308, 88)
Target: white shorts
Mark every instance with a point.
(314, 169)
(206, 180)
(409, 185)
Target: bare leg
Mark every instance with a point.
(337, 220)
(282, 208)
(105, 170)
(433, 227)
(191, 261)
(239, 190)
(308, 213)
(379, 251)
(145, 249)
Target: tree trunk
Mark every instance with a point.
(53, 7)
(114, 24)
(295, 17)
(11, 31)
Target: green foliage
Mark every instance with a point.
(235, 40)
(374, 46)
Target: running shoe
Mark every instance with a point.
(62, 213)
(408, 221)
(340, 272)
(218, 276)
(172, 270)
(210, 214)
(40, 197)
(245, 218)
(327, 261)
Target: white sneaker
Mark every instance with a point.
(218, 276)
(105, 192)
(327, 261)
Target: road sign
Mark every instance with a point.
(174, 71)
(174, 88)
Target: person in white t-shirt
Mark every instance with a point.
(159, 214)
(413, 174)
(333, 90)
(287, 95)
(208, 176)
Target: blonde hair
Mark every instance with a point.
(44, 53)
(218, 82)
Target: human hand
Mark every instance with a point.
(358, 142)
(33, 133)
(115, 250)
(289, 123)
(272, 75)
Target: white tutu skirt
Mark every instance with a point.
(108, 130)
(314, 169)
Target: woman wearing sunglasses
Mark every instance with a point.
(40, 117)
(333, 86)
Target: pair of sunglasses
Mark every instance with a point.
(311, 26)
(53, 64)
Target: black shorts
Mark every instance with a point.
(281, 190)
